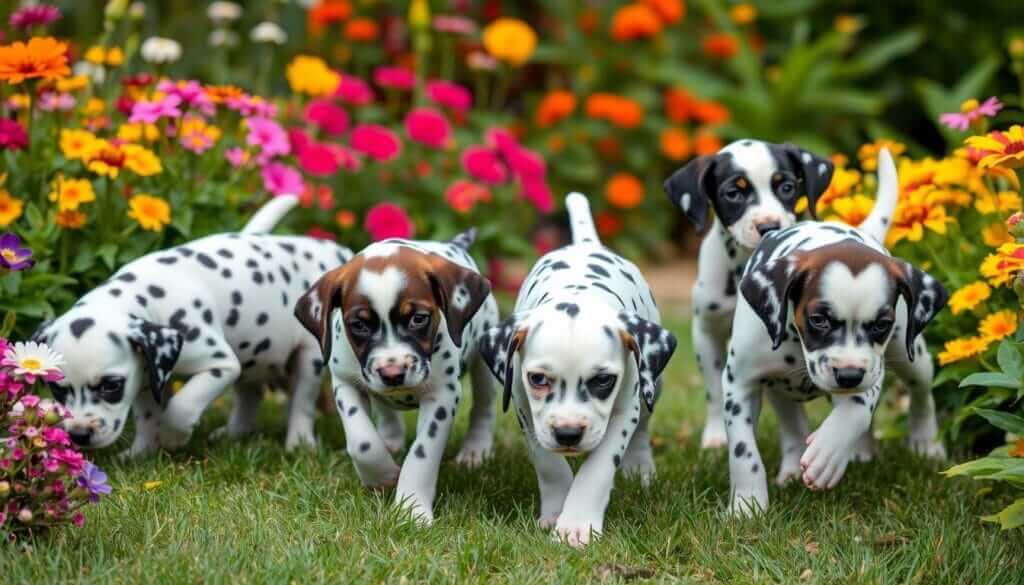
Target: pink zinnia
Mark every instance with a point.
(151, 112)
(376, 141)
(327, 116)
(236, 156)
(320, 234)
(32, 16)
(526, 163)
(12, 136)
(298, 138)
(962, 120)
(450, 95)
(252, 106)
(458, 25)
(482, 164)
(281, 179)
(346, 157)
(536, 191)
(191, 93)
(428, 127)
(387, 220)
(318, 160)
(354, 91)
(394, 77)
(269, 136)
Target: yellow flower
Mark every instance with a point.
(996, 234)
(94, 107)
(743, 13)
(1009, 201)
(847, 24)
(868, 153)
(961, 349)
(998, 325)
(107, 159)
(95, 55)
(115, 57)
(999, 268)
(72, 83)
(510, 40)
(1002, 149)
(10, 208)
(70, 220)
(968, 296)
(152, 213)
(76, 144)
(914, 213)
(18, 101)
(851, 210)
(312, 76)
(843, 182)
(70, 193)
(138, 132)
(197, 125)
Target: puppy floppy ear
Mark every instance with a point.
(313, 309)
(160, 347)
(652, 346)
(924, 295)
(769, 288)
(690, 188)
(459, 293)
(815, 173)
(41, 335)
(498, 347)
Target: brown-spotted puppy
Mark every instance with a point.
(398, 326)
(823, 308)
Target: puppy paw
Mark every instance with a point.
(576, 534)
(824, 461)
(748, 504)
(297, 440)
(172, 439)
(788, 471)
(421, 513)
(865, 449)
(713, 436)
(474, 453)
(639, 465)
(549, 521)
(929, 447)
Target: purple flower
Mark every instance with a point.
(30, 16)
(12, 255)
(94, 480)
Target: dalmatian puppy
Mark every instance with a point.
(753, 188)
(399, 325)
(581, 352)
(822, 309)
(217, 311)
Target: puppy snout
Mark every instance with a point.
(392, 373)
(849, 377)
(765, 227)
(568, 435)
(81, 436)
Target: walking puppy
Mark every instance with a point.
(582, 351)
(753, 188)
(399, 324)
(834, 308)
(216, 310)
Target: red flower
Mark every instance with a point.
(377, 142)
(387, 220)
(354, 91)
(318, 160)
(394, 77)
(450, 95)
(12, 135)
(428, 127)
(483, 164)
(327, 116)
(320, 234)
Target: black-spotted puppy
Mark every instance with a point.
(823, 310)
(399, 325)
(580, 354)
(752, 187)
(217, 311)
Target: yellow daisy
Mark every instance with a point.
(999, 325)
(70, 193)
(152, 213)
(10, 208)
(969, 296)
(961, 349)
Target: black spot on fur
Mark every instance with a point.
(740, 449)
(206, 261)
(420, 452)
(261, 347)
(78, 327)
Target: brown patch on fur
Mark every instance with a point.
(629, 342)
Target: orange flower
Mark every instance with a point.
(220, 94)
(361, 30)
(669, 11)
(41, 58)
(634, 21)
(327, 12)
(608, 224)
(710, 112)
(706, 142)
(620, 111)
(624, 190)
(555, 107)
(679, 104)
(345, 219)
(675, 144)
(609, 148)
(1001, 267)
(743, 14)
(70, 219)
(1016, 449)
(721, 45)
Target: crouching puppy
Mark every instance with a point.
(579, 355)
(398, 325)
(217, 311)
(823, 309)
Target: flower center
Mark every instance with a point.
(1014, 147)
(9, 255)
(969, 106)
(31, 363)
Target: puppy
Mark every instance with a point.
(823, 308)
(398, 326)
(217, 311)
(581, 352)
(753, 188)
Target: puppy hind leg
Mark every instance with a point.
(305, 386)
(478, 443)
(792, 435)
(639, 459)
(244, 410)
(711, 324)
(918, 375)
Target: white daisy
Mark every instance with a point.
(31, 360)
(224, 12)
(268, 32)
(160, 50)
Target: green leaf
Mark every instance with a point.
(976, 467)
(998, 379)
(1003, 420)
(1010, 517)
(1010, 360)
(881, 53)
(108, 253)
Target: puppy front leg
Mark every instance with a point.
(479, 440)
(417, 483)
(792, 435)
(147, 427)
(918, 375)
(305, 383)
(710, 332)
(371, 458)
(747, 477)
(185, 407)
(830, 448)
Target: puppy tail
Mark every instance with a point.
(465, 239)
(877, 223)
(270, 214)
(580, 220)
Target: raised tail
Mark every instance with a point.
(270, 214)
(877, 223)
(581, 222)
(465, 239)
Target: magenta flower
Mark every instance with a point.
(320, 234)
(428, 127)
(450, 95)
(78, 519)
(191, 93)
(457, 25)
(12, 135)
(94, 480)
(318, 160)
(236, 156)
(281, 179)
(252, 106)
(347, 158)
(388, 220)
(393, 77)
(483, 164)
(327, 116)
(151, 112)
(12, 255)
(56, 436)
(32, 16)
(376, 141)
(536, 191)
(269, 136)
(355, 91)
(299, 139)
(970, 111)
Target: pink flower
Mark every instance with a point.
(526, 163)
(962, 120)
(12, 137)
(376, 141)
(151, 112)
(247, 105)
(347, 158)
(428, 127)
(483, 164)
(354, 91)
(56, 436)
(237, 156)
(458, 25)
(191, 93)
(463, 195)
(327, 116)
(78, 519)
(30, 401)
(269, 137)
(298, 138)
(32, 16)
(17, 454)
(318, 160)
(281, 179)
(450, 95)
(388, 220)
(56, 102)
(320, 234)
(536, 191)
(393, 77)
(990, 107)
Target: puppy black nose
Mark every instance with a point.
(568, 436)
(392, 375)
(768, 226)
(849, 377)
(81, 437)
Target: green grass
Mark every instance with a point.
(248, 512)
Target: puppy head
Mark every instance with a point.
(109, 358)
(573, 360)
(844, 300)
(394, 303)
(752, 186)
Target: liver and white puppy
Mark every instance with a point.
(218, 311)
(823, 309)
(753, 187)
(399, 325)
(579, 355)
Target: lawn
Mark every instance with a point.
(249, 512)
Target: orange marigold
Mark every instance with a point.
(326, 12)
(608, 224)
(669, 11)
(675, 144)
(555, 107)
(721, 45)
(634, 21)
(679, 104)
(620, 111)
(361, 30)
(710, 112)
(41, 58)
(706, 142)
(624, 190)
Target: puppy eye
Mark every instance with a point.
(819, 321)
(881, 326)
(110, 389)
(538, 380)
(786, 189)
(733, 196)
(419, 320)
(359, 328)
(601, 385)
